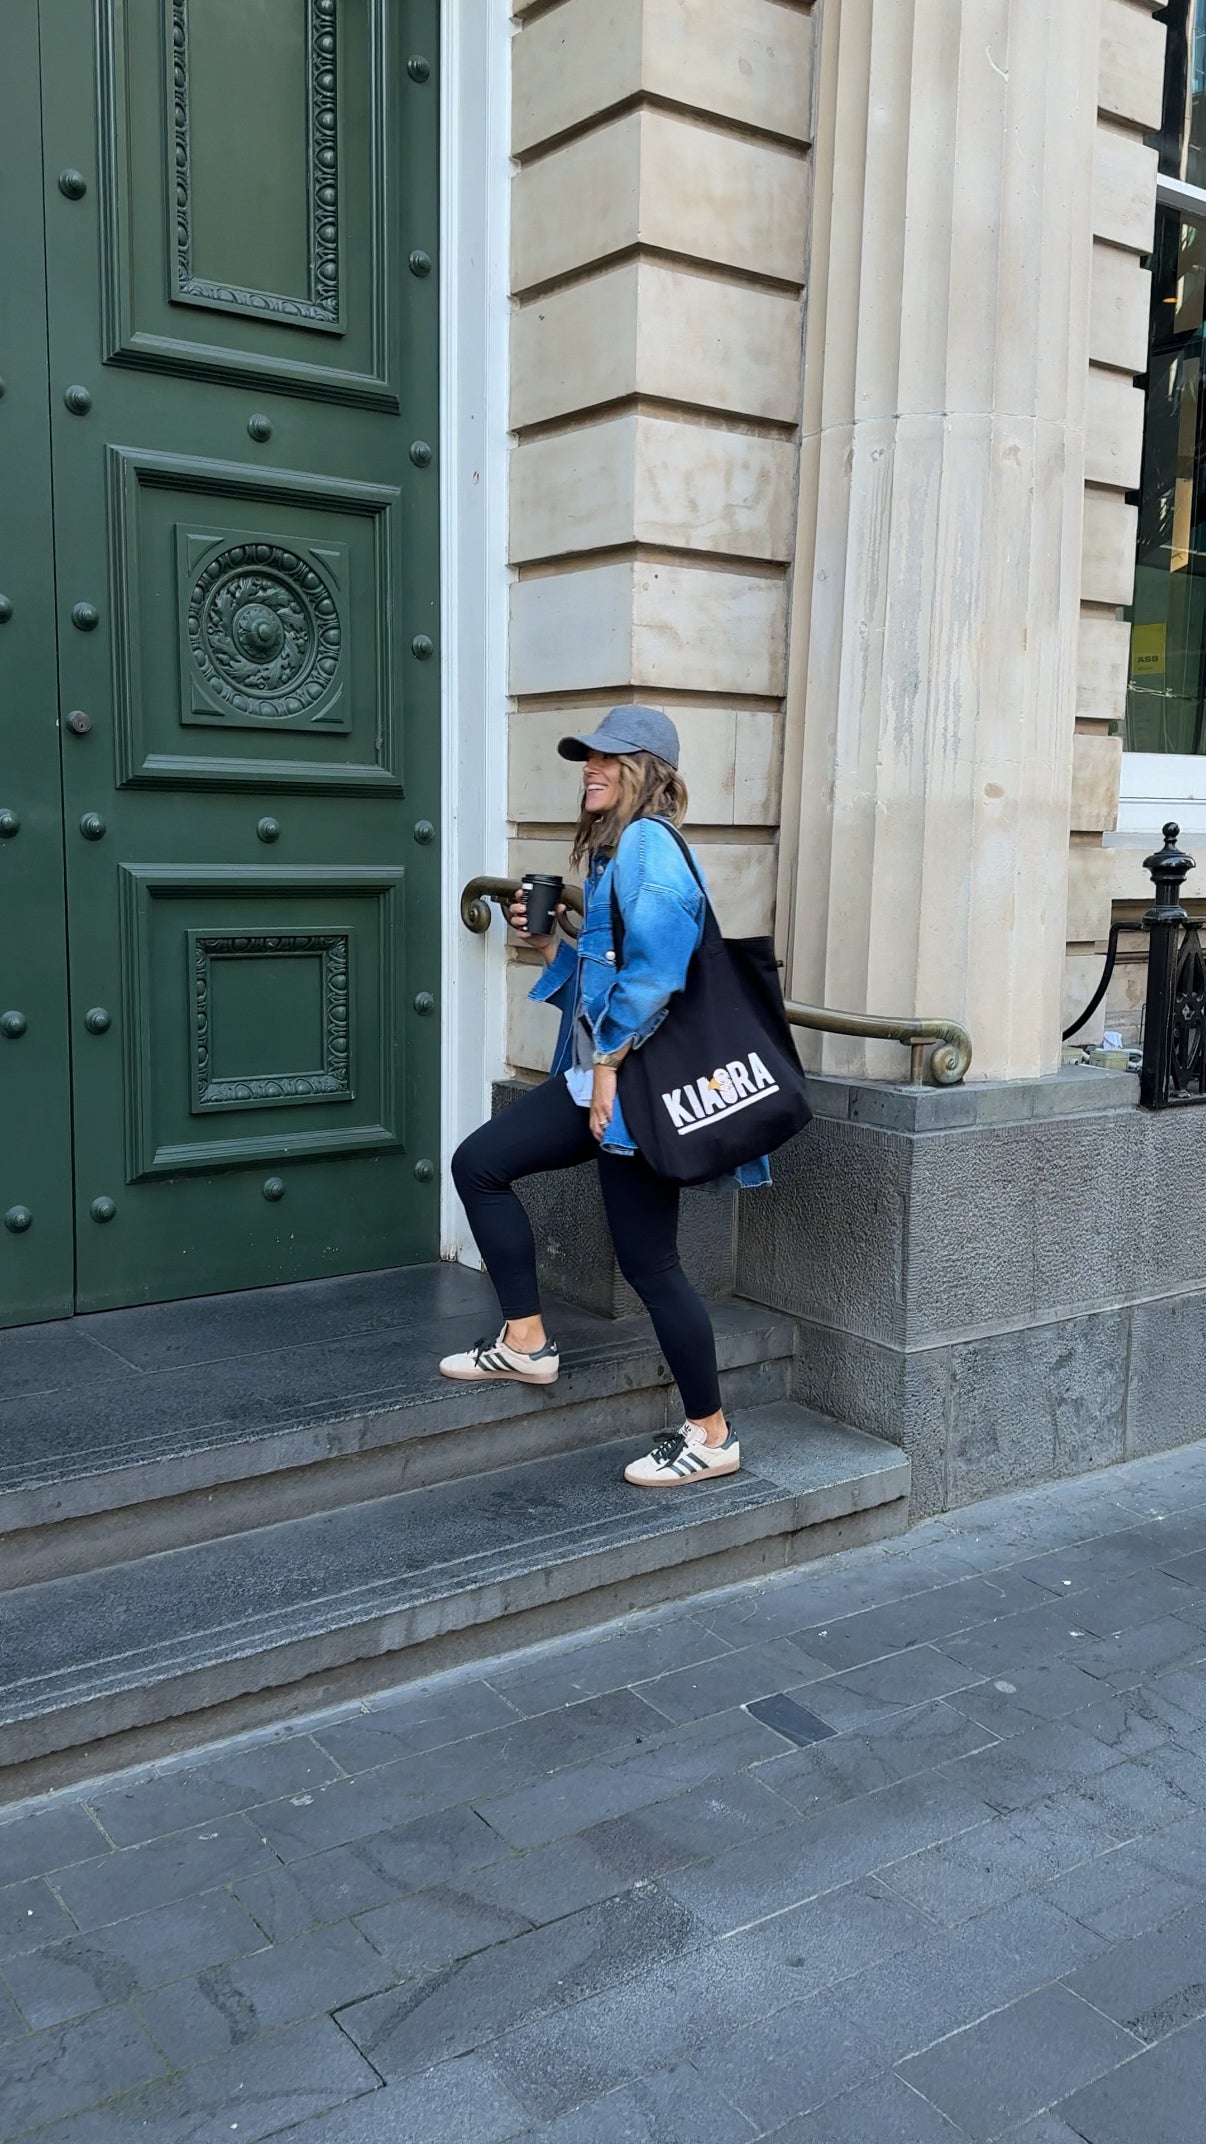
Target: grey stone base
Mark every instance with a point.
(575, 1256)
(1007, 1280)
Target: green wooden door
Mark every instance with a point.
(240, 208)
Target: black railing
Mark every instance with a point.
(1174, 1020)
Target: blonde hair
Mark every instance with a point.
(650, 788)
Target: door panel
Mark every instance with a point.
(279, 666)
(260, 172)
(36, 1252)
(247, 559)
(274, 1037)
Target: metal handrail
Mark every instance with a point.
(950, 1059)
(475, 912)
(1107, 976)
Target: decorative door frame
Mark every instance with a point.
(475, 186)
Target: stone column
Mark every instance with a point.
(937, 584)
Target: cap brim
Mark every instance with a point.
(578, 747)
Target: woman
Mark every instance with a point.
(630, 781)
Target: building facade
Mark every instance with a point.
(383, 404)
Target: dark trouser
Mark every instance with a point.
(548, 1130)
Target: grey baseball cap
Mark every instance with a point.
(627, 729)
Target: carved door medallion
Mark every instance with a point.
(216, 360)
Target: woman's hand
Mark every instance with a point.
(517, 917)
(603, 1100)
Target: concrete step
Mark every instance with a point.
(186, 1422)
(113, 1665)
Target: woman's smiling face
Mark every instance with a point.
(601, 782)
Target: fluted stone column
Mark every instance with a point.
(932, 680)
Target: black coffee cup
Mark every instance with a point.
(542, 896)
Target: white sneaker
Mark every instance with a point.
(488, 1361)
(684, 1455)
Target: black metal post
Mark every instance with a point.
(1163, 921)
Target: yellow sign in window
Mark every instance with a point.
(1147, 650)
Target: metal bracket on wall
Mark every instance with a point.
(949, 1058)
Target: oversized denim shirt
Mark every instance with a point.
(662, 905)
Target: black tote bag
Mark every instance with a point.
(719, 1082)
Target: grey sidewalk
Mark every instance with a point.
(908, 1847)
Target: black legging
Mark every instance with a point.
(548, 1130)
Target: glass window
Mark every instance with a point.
(1166, 697)
(1166, 702)
(1182, 137)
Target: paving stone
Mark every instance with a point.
(782, 2066)
(633, 1779)
(1157, 2098)
(1055, 1630)
(352, 1879)
(673, 2106)
(1129, 1602)
(1169, 1642)
(1180, 1848)
(611, 1857)
(791, 1720)
(504, 1760)
(562, 1674)
(1044, 2129)
(1010, 1704)
(1154, 1983)
(45, 1839)
(894, 1685)
(758, 1614)
(1182, 1772)
(1046, 1941)
(1189, 1569)
(30, 1916)
(424, 1718)
(732, 1678)
(85, 1973)
(191, 1793)
(919, 1619)
(1031, 1765)
(1090, 1564)
(832, 1848)
(255, 2092)
(449, 2013)
(436, 1927)
(46, 2076)
(1017, 2062)
(1183, 1687)
(196, 2019)
(966, 1875)
(1124, 1892)
(576, 2055)
(884, 2112)
(889, 1749)
(1140, 1795)
(11, 2021)
(459, 2103)
(902, 2004)
(141, 1877)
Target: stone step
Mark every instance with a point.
(209, 1423)
(117, 1664)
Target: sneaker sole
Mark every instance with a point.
(497, 1377)
(688, 1481)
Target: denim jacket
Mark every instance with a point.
(662, 905)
